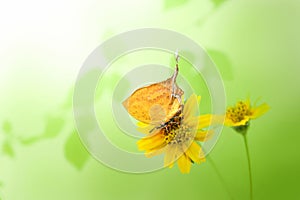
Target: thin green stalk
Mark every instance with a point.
(209, 159)
(249, 166)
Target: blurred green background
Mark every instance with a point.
(255, 45)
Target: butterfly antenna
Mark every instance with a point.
(176, 67)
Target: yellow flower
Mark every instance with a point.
(177, 138)
(240, 115)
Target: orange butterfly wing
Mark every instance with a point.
(155, 104)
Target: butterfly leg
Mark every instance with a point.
(174, 87)
(177, 97)
(163, 125)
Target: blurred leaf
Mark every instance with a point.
(29, 141)
(218, 3)
(113, 84)
(8, 149)
(75, 152)
(122, 90)
(223, 63)
(110, 84)
(83, 89)
(69, 100)
(53, 127)
(7, 127)
(170, 4)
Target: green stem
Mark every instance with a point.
(249, 166)
(209, 159)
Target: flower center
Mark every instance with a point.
(238, 112)
(175, 132)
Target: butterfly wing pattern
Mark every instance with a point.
(156, 103)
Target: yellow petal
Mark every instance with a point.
(193, 152)
(204, 121)
(184, 164)
(247, 102)
(145, 128)
(152, 142)
(191, 121)
(190, 107)
(260, 110)
(203, 135)
(202, 155)
(155, 152)
(210, 120)
(142, 124)
(230, 123)
(172, 152)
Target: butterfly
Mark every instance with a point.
(158, 103)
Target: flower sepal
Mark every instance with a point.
(242, 129)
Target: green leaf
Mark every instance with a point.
(122, 91)
(223, 63)
(82, 87)
(53, 127)
(29, 141)
(69, 100)
(218, 3)
(7, 127)
(8, 149)
(75, 152)
(170, 4)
